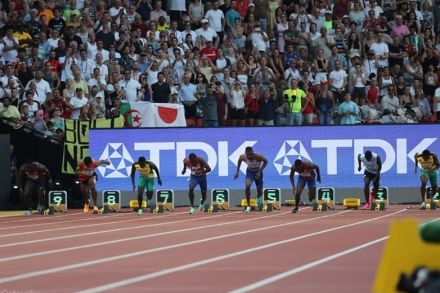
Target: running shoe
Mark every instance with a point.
(40, 209)
(423, 206)
(191, 211)
(140, 212)
(258, 201)
(201, 206)
(86, 208)
(366, 206)
(248, 209)
(28, 213)
(95, 210)
(295, 210)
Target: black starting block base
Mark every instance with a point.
(213, 209)
(378, 206)
(158, 209)
(268, 207)
(320, 207)
(430, 206)
(260, 207)
(49, 212)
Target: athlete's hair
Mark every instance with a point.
(426, 153)
(87, 160)
(248, 149)
(142, 160)
(192, 156)
(368, 155)
(298, 162)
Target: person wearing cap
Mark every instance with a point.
(216, 20)
(208, 33)
(328, 21)
(76, 103)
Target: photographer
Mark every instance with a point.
(293, 97)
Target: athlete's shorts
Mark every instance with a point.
(310, 181)
(34, 186)
(371, 177)
(147, 183)
(198, 180)
(432, 176)
(251, 176)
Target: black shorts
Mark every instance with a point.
(371, 177)
(236, 114)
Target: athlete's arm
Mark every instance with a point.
(264, 160)
(20, 177)
(101, 162)
(436, 163)
(318, 174)
(359, 163)
(291, 176)
(206, 167)
(237, 173)
(379, 165)
(185, 164)
(416, 162)
(155, 169)
(133, 171)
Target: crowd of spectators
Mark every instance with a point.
(228, 62)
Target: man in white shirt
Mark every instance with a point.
(130, 86)
(437, 103)
(116, 11)
(10, 46)
(208, 33)
(85, 65)
(259, 39)
(76, 103)
(390, 102)
(103, 69)
(216, 20)
(43, 87)
(338, 81)
(187, 95)
(187, 31)
(372, 6)
(97, 80)
(9, 75)
(381, 50)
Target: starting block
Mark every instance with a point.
(273, 196)
(111, 199)
(165, 198)
(253, 203)
(49, 211)
(268, 207)
(206, 207)
(104, 210)
(320, 206)
(135, 205)
(380, 206)
(58, 201)
(158, 209)
(351, 203)
(430, 205)
(289, 202)
(213, 208)
(220, 197)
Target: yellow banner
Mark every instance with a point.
(76, 145)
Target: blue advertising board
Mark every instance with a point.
(333, 148)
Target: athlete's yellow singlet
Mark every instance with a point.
(426, 164)
(145, 171)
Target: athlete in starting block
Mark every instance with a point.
(373, 165)
(146, 180)
(199, 168)
(254, 172)
(429, 164)
(87, 180)
(306, 172)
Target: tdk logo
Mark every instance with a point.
(288, 153)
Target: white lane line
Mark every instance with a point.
(148, 251)
(53, 251)
(112, 230)
(86, 226)
(30, 219)
(307, 266)
(130, 281)
(62, 222)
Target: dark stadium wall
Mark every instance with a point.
(5, 171)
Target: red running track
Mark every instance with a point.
(335, 251)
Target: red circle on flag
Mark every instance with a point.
(168, 115)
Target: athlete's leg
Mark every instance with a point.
(140, 196)
(367, 182)
(193, 182)
(311, 184)
(27, 196)
(423, 180)
(433, 181)
(203, 183)
(248, 183)
(40, 194)
(85, 192)
(150, 189)
(376, 185)
(299, 189)
(259, 185)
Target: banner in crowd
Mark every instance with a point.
(146, 114)
(333, 148)
(76, 145)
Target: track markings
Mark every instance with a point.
(130, 281)
(148, 251)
